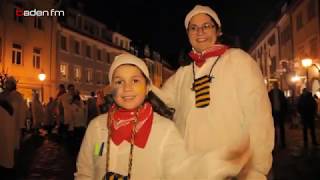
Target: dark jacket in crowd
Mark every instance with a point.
(307, 105)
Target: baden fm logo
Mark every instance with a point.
(40, 13)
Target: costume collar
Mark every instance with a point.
(123, 121)
(200, 58)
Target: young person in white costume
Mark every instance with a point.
(135, 140)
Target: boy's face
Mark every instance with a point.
(129, 86)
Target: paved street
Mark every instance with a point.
(296, 162)
(51, 158)
(47, 158)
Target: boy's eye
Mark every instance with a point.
(136, 80)
(118, 82)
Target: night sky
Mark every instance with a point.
(160, 23)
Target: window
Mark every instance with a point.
(299, 22)
(121, 43)
(93, 29)
(63, 42)
(77, 73)
(79, 21)
(285, 35)
(17, 15)
(89, 75)
(37, 23)
(77, 47)
(99, 54)
(108, 60)
(86, 26)
(64, 71)
(116, 40)
(99, 77)
(272, 40)
(88, 51)
(311, 9)
(106, 35)
(16, 54)
(36, 58)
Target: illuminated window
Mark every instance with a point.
(36, 58)
(77, 73)
(89, 75)
(64, 71)
(16, 54)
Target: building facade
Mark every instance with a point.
(266, 53)
(297, 33)
(84, 52)
(68, 48)
(306, 32)
(27, 46)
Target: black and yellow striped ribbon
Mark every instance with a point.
(115, 176)
(201, 87)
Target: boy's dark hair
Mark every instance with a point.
(158, 105)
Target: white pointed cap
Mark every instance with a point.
(198, 9)
(129, 59)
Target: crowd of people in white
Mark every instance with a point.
(66, 115)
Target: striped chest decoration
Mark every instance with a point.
(201, 87)
(115, 176)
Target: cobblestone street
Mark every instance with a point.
(52, 158)
(296, 162)
(47, 158)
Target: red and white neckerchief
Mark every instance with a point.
(122, 122)
(200, 58)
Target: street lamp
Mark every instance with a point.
(306, 63)
(42, 77)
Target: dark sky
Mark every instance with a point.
(160, 23)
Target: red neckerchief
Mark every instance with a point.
(122, 123)
(200, 58)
